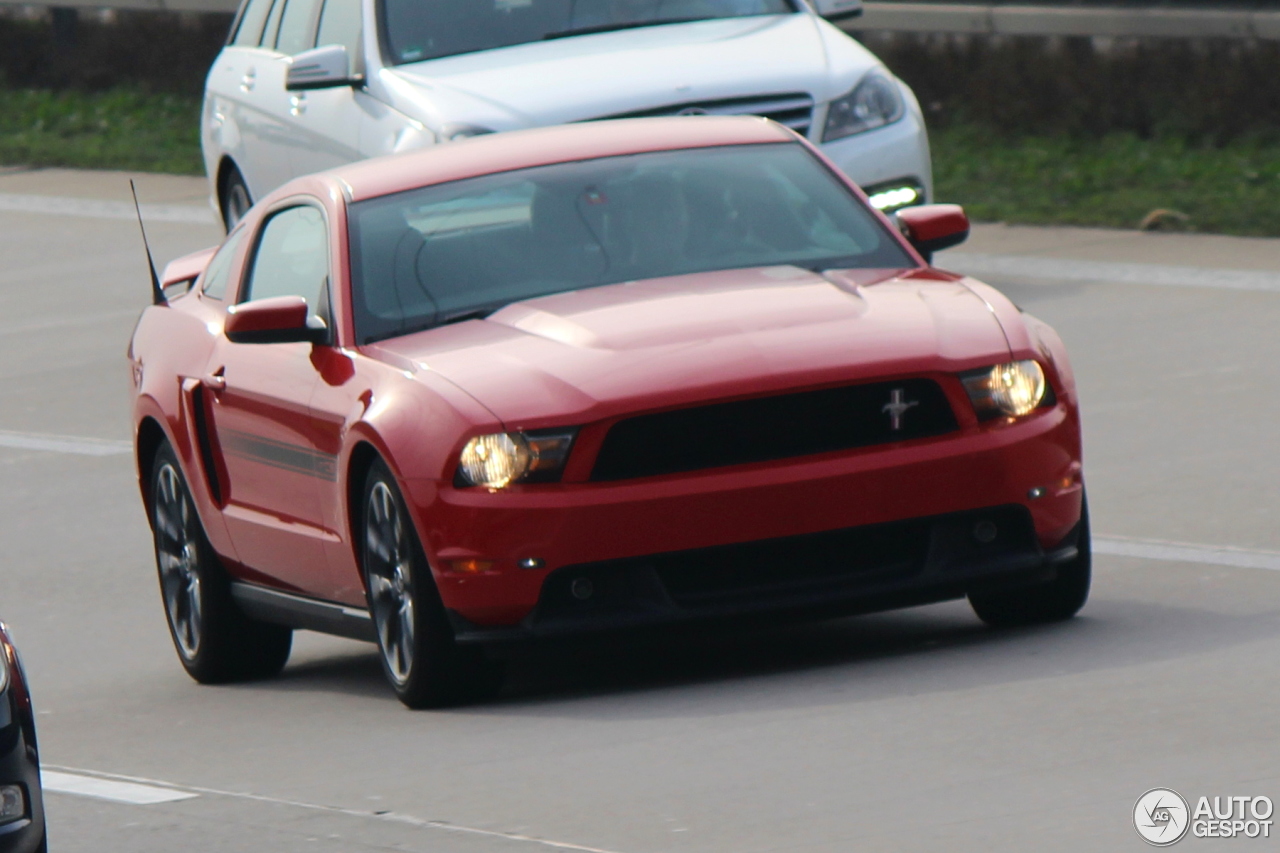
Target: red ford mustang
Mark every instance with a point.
(586, 378)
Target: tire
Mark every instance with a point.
(233, 198)
(215, 641)
(419, 656)
(1054, 601)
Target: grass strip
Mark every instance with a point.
(1113, 181)
(115, 129)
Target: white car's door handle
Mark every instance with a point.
(298, 104)
(248, 80)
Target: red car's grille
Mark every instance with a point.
(778, 427)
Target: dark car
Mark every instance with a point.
(21, 805)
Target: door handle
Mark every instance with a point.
(248, 81)
(216, 381)
(298, 104)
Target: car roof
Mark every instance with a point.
(502, 152)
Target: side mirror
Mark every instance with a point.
(933, 227)
(321, 68)
(276, 320)
(838, 10)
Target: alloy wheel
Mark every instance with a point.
(178, 550)
(389, 563)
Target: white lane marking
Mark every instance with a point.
(193, 790)
(64, 444)
(100, 209)
(114, 790)
(1186, 552)
(977, 264)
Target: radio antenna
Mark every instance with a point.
(157, 292)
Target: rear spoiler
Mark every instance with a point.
(187, 268)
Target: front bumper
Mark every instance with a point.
(19, 765)
(603, 529)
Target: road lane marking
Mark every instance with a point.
(1066, 269)
(100, 209)
(80, 775)
(114, 790)
(1186, 552)
(64, 444)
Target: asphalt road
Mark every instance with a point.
(915, 730)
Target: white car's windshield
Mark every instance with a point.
(428, 29)
(460, 250)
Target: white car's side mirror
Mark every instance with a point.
(838, 10)
(321, 68)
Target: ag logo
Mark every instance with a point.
(1161, 817)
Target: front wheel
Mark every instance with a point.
(215, 641)
(420, 658)
(234, 198)
(1059, 599)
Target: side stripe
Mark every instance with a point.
(279, 454)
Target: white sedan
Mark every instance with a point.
(306, 85)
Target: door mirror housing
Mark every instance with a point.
(321, 68)
(933, 227)
(838, 10)
(276, 320)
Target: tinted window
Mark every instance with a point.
(214, 282)
(295, 26)
(418, 30)
(292, 259)
(428, 256)
(249, 32)
(340, 24)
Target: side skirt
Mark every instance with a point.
(296, 611)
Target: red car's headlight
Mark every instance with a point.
(1016, 388)
(500, 459)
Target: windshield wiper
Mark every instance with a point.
(609, 28)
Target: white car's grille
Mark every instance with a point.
(794, 110)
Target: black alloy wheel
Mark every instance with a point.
(1054, 601)
(233, 198)
(419, 656)
(215, 641)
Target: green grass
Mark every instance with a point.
(1115, 181)
(116, 129)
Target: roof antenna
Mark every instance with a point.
(157, 292)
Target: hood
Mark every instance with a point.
(591, 354)
(629, 71)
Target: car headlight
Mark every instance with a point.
(873, 103)
(503, 458)
(1015, 389)
(4, 669)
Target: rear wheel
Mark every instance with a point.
(1059, 599)
(420, 658)
(215, 641)
(233, 198)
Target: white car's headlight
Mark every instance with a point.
(873, 103)
(500, 459)
(4, 670)
(1015, 389)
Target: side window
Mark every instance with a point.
(295, 26)
(214, 282)
(340, 24)
(249, 31)
(273, 24)
(292, 259)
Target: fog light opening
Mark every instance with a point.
(13, 803)
(985, 532)
(582, 588)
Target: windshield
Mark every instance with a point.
(464, 249)
(428, 29)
